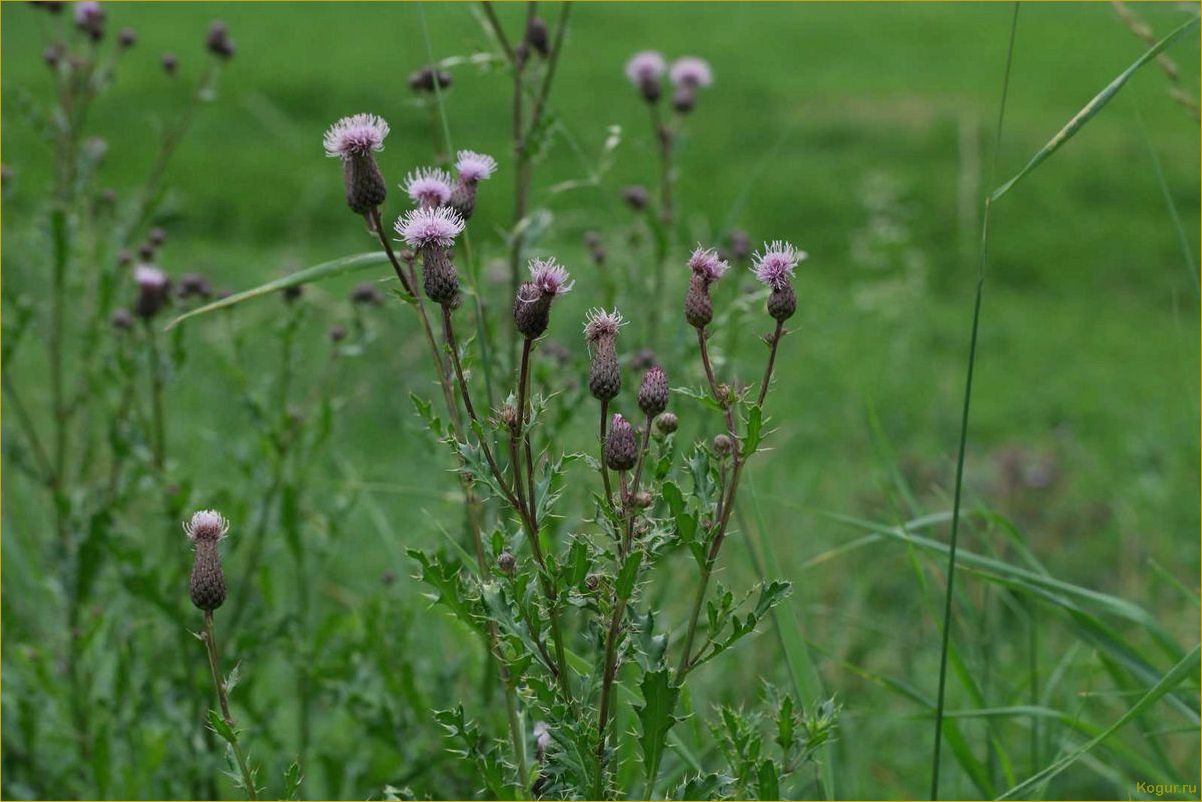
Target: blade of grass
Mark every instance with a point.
(1187, 666)
(972, 357)
(1094, 106)
(806, 680)
(325, 270)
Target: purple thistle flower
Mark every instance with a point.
(150, 278)
(89, 18)
(600, 325)
(775, 265)
(706, 263)
(549, 277)
(473, 167)
(692, 72)
(428, 186)
(646, 66)
(421, 228)
(206, 525)
(353, 136)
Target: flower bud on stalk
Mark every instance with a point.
(354, 140)
(154, 290)
(218, 41)
(774, 267)
(707, 268)
(653, 392)
(432, 232)
(536, 36)
(621, 448)
(667, 423)
(646, 71)
(206, 585)
(532, 306)
(472, 168)
(689, 74)
(89, 18)
(601, 334)
(507, 563)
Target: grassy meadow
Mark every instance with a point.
(861, 132)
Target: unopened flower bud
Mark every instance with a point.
(127, 38)
(337, 333)
(536, 36)
(206, 585)
(621, 449)
(740, 244)
(636, 197)
(508, 416)
(722, 444)
(366, 294)
(218, 41)
(666, 423)
(170, 63)
(642, 499)
(532, 306)
(507, 563)
(293, 293)
(125, 257)
(601, 333)
(653, 392)
(53, 54)
(425, 79)
(194, 285)
(684, 99)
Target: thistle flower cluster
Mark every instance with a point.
(687, 74)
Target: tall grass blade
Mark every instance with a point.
(1091, 108)
(1182, 240)
(1186, 667)
(972, 358)
(325, 270)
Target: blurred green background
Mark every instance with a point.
(861, 132)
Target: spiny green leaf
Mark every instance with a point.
(655, 716)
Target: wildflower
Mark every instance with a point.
(601, 333)
(707, 268)
(472, 168)
(89, 18)
(427, 79)
(645, 70)
(354, 139)
(653, 392)
(507, 563)
(536, 36)
(127, 38)
(432, 232)
(666, 423)
(366, 294)
(194, 285)
(690, 71)
(428, 186)
(153, 290)
(774, 267)
(206, 585)
(218, 41)
(621, 450)
(636, 197)
(170, 63)
(532, 306)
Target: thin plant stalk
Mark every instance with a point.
(210, 641)
(972, 354)
(158, 440)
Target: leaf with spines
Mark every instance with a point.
(656, 717)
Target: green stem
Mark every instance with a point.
(223, 699)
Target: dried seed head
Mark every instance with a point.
(666, 423)
(775, 265)
(722, 444)
(506, 563)
(218, 41)
(691, 72)
(621, 449)
(653, 392)
(636, 197)
(154, 290)
(206, 584)
(366, 294)
(428, 186)
(646, 70)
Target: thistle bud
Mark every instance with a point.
(707, 268)
(170, 63)
(337, 333)
(532, 306)
(508, 416)
(666, 423)
(53, 54)
(536, 36)
(722, 444)
(354, 140)
(601, 333)
(293, 293)
(366, 294)
(740, 244)
(646, 70)
(194, 285)
(653, 392)
(684, 99)
(127, 38)
(642, 499)
(206, 585)
(89, 18)
(636, 197)
(154, 289)
(621, 449)
(427, 78)
(592, 581)
(218, 41)
(506, 563)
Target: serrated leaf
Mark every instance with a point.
(629, 574)
(755, 425)
(656, 717)
(221, 728)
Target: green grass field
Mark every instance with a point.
(861, 132)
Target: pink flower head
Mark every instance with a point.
(150, 278)
(549, 277)
(646, 66)
(618, 422)
(599, 324)
(88, 14)
(775, 265)
(421, 228)
(428, 186)
(473, 167)
(706, 263)
(355, 136)
(206, 525)
(691, 72)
